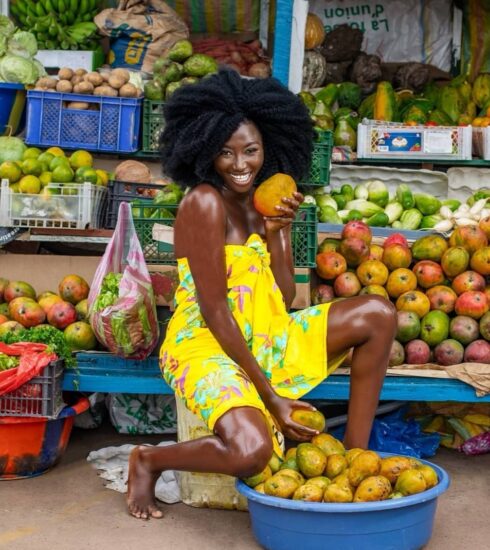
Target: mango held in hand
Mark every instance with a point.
(312, 419)
(270, 193)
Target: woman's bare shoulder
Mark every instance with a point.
(203, 198)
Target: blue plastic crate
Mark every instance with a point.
(12, 108)
(111, 124)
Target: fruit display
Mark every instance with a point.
(438, 285)
(372, 203)
(31, 170)
(21, 308)
(111, 83)
(17, 51)
(324, 471)
(179, 66)
(59, 24)
(248, 58)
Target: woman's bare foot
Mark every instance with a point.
(141, 487)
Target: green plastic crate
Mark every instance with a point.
(303, 235)
(153, 125)
(155, 252)
(320, 161)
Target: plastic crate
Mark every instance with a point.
(319, 174)
(153, 125)
(304, 236)
(481, 142)
(12, 108)
(71, 206)
(155, 252)
(123, 191)
(111, 124)
(41, 396)
(396, 140)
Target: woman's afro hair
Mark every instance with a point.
(201, 117)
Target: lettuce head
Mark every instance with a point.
(23, 44)
(14, 68)
(7, 28)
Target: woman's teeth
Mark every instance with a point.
(242, 178)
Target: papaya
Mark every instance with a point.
(349, 95)
(481, 90)
(270, 193)
(385, 104)
(431, 92)
(451, 103)
(311, 419)
(415, 114)
(440, 118)
(366, 108)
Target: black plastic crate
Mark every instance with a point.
(123, 191)
(41, 396)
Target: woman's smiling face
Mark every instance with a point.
(241, 158)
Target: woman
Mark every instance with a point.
(232, 351)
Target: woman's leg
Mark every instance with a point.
(368, 324)
(241, 447)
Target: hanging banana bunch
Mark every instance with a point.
(59, 24)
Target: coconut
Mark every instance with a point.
(132, 171)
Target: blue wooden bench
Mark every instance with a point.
(103, 372)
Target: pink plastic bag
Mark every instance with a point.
(121, 302)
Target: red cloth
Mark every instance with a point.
(33, 359)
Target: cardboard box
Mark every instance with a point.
(302, 278)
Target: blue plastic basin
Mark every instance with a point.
(398, 524)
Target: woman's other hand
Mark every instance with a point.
(286, 213)
(281, 409)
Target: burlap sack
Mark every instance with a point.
(140, 31)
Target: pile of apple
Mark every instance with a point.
(67, 311)
(438, 285)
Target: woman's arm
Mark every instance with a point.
(200, 231)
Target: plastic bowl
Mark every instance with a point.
(396, 524)
(30, 446)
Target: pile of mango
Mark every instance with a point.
(340, 107)
(439, 287)
(324, 471)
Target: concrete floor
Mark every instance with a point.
(68, 508)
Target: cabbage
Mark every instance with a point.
(23, 43)
(41, 71)
(7, 28)
(11, 148)
(14, 68)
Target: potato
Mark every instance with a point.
(76, 80)
(64, 86)
(128, 90)
(105, 90)
(121, 73)
(80, 72)
(46, 82)
(105, 75)
(79, 105)
(83, 88)
(116, 82)
(65, 73)
(94, 78)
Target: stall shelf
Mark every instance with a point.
(104, 372)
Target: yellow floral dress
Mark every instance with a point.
(290, 348)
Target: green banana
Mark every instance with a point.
(48, 6)
(20, 7)
(62, 7)
(40, 9)
(83, 8)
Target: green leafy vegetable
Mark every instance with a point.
(50, 336)
(8, 362)
(109, 291)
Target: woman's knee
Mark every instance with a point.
(383, 312)
(248, 440)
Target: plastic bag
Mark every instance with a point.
(142, 414)
(33, 359)
(393, 434)
(127, 325)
